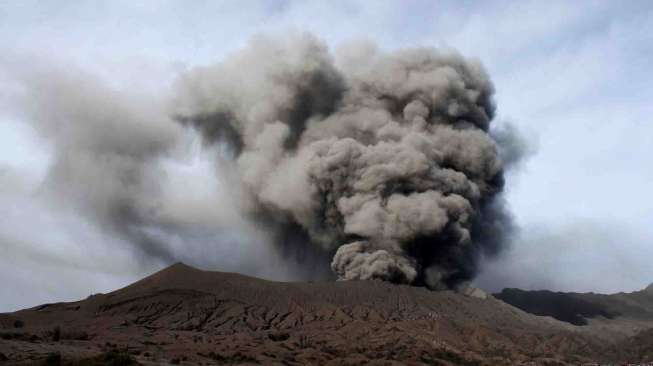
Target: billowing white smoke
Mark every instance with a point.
(382, 159)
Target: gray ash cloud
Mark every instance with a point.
(362, 164)
(383, 162)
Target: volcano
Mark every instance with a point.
(183, 315)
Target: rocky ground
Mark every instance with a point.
(185, 316)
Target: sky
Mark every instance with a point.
(572, 76)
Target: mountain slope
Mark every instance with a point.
(622, 313)
(188, 316)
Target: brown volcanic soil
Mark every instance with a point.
(182, 315)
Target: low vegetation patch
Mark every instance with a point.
(111, 358)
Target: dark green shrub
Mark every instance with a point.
(115, 358)
(53, 359)
(278, 337)
(56, 334)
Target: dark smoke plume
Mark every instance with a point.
(383, 160)
(363, 165)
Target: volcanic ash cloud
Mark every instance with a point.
(383, 159)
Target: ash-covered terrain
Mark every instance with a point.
(182, 315)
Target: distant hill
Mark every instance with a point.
(182, 315)
(582, 308)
